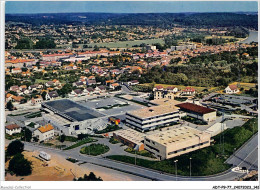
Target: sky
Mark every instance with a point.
(129, 6)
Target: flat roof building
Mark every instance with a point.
(131, 138)
(176, 141)
(152, 117)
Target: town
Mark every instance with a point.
(143, 96)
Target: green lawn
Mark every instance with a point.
(141, 153)
(40, 81)
(109, 128)
(94, 149)
(14, 136)
(82, 142)
(112, 140)
(194, 120)
(33, 115)
(69, 138)
(206, 161)
(19, 114)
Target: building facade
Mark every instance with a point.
(175, 142)
(12, 129)
(131, 138)
(44, 133)
(199, 112)
(152, 117)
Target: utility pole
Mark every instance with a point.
(190, 166)
(176, 168)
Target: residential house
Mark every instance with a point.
(100, 89)
(36, 101)
(78, 84)
(133, 82)
(51, 95)
(114, 86)
(231, 89)
(44, 133)
(13, 128)
(189, 91)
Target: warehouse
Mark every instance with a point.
(152, 117)
(175, 142)
(199, 112)
(70, 110)
(131, 138)
(71, 118)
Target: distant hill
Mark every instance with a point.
(248, 20)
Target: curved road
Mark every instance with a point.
(247, 154)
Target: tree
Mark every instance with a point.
(44, 95)
(20, 166)
(10, 106)
(96, 48)
(27, 134)
(90, 177)
(15, 147)
(45, 43)
(24, 43)
(62, 138)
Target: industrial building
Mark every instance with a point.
(152, 117)
(176, 141)
(199, 112)
(131, 138)
(71, 118)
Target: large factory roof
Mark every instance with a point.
(71, 110)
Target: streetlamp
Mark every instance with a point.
(175, 161)
(190, 166)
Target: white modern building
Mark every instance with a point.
(176, 141)
(152, 117)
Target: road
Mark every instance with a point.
(155, 175)
(248, 154)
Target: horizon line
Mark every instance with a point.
(133, 13)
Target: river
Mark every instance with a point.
(253, 37)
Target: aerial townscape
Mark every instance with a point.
(131, 96)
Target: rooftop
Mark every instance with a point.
(72, 110)
(131, 135)
(12, 126)
(46, 128)
(154, 111)
(165, 102)
(195, 108)
(176, 135)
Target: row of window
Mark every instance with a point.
(152, 147)
(187, 148)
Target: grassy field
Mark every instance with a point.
(40, 81)
(94, 149)
(82, 142)
(126, 44)
(197, 88)
(141, 152)
(206, 161)
(69, 138)
(246, 86)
